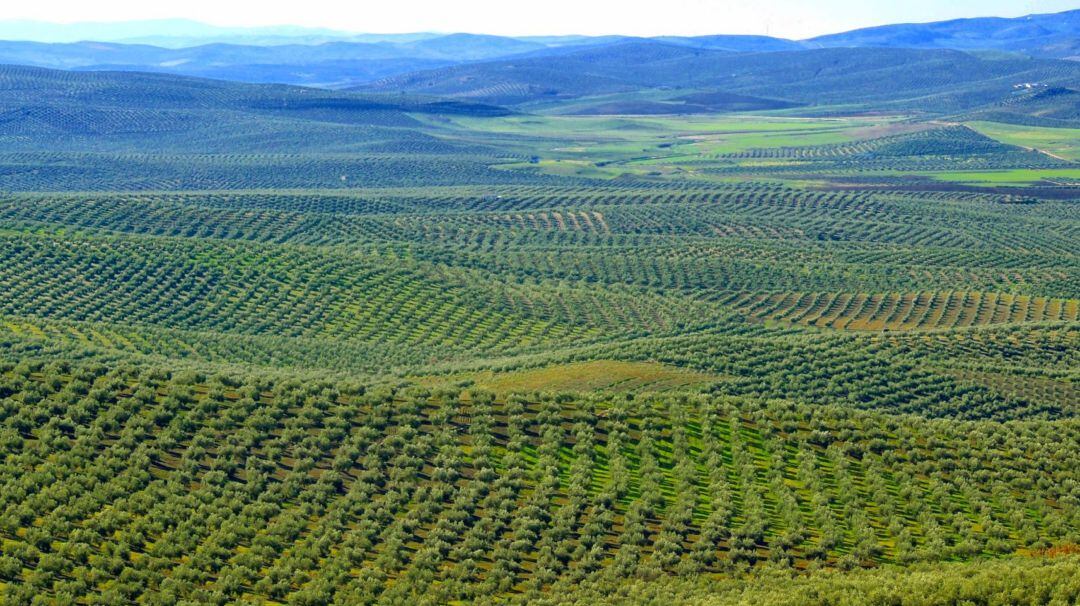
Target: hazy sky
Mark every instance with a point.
(787, 18)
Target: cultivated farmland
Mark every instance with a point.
(272, 345)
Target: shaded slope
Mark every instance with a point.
(54, 110)
(1052, 106)
(929, 78)
(332, 63)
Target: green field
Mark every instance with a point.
(593, 376)
(612, 137)
(1062, 176)
(1062, 142)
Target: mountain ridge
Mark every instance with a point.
(818, 76)
(1051, 35)
(334, 59)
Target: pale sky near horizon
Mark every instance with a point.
(784, 18)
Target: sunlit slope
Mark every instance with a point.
(315, 491)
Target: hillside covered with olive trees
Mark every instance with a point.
(709, 320)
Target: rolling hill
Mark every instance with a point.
(162, 32)
(808, 334)
(1050, 35)
(330, 64)
(334, 63)
(734, 44)
(942, 79)
(1044, 106)
(96, 110)
(330, 59)
(316, 492)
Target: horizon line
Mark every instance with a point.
(317, 29)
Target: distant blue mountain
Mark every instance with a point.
(336, 63)
(336, 59)
(932, 79)
(331, 64)
(1053, 35)
(158, 32)
(737, 44)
